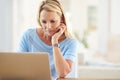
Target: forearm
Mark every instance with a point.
(61, 65)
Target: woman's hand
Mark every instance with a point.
(57, 35)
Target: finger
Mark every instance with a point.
(62, 30)
(62, 26)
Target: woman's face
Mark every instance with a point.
(50, 22)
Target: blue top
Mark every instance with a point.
(30, 42)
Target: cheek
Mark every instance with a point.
(57, 24)
(43, 25)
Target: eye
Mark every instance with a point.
(44, 22)
(52, 21)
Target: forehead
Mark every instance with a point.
(49, 15)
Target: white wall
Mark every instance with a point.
(6, 25)
(115, 17)
(103, 24)
(78, 15)
(108, 22)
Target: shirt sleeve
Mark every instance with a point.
(23, 43)
(71, 50)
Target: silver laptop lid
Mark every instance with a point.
(25, 65)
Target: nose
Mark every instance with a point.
(48, 25)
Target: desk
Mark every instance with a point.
(83, 79)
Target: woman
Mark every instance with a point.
(53, 37)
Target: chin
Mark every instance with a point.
(50, 35)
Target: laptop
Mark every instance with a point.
(24, 65)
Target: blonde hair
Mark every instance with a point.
(54, 5)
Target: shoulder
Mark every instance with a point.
(72, 41)
(28, 31)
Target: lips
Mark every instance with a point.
(52, 31)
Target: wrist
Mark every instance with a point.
(55, 45)
(54, 41)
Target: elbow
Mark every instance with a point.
(64, 73)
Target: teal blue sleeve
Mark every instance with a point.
(23, 43)
(71, 50)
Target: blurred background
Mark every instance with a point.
(95, 23)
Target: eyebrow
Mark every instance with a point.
(50, 19)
